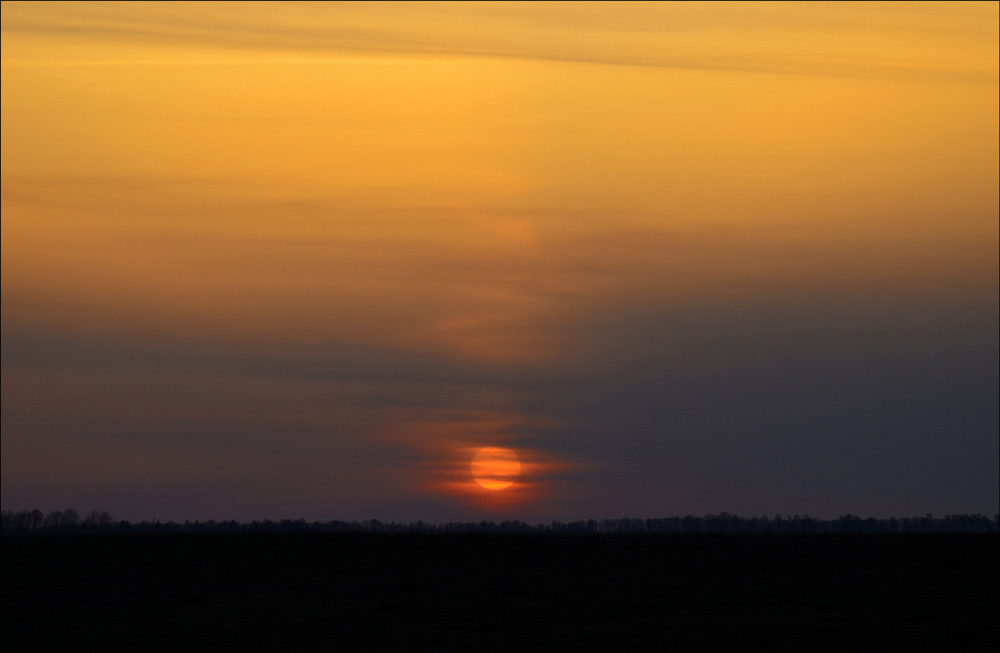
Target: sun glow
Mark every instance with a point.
(495, 468)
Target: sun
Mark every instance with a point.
(495, 468)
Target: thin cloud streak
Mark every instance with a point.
(659, 36)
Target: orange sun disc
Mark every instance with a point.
(495, 468)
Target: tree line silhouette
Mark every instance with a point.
(70, 522)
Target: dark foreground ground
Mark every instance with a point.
(503, 593)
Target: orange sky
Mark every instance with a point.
(416, 192)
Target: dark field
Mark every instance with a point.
(504, 593)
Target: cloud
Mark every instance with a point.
(807, 404)
(854, 42)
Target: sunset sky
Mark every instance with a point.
(305, 260)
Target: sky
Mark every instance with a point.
(283, 260)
